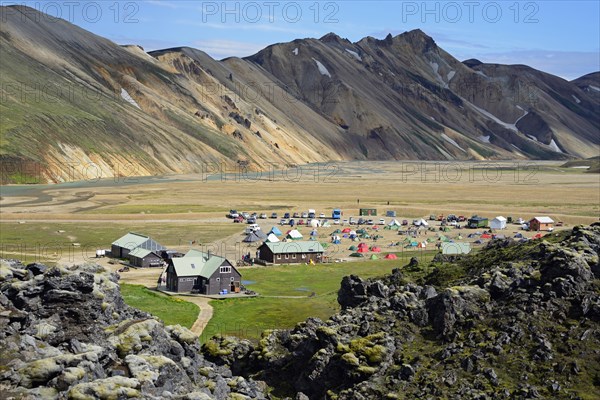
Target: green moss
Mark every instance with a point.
(368, 347)
(327, 331)
(214, 349)
(350, 359)
(363, 369)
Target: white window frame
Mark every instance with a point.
(218, 279)
(279, 256)
(294, 256)
(232, 279)
(287, 256)
(226, 269)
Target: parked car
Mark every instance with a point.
(238, 219)
(300, 222)
(283, 221)
(346, 222)
(520, 221)
(370, 222)
(453, 223)
(311, 215)
(286, 215)
(336, 221)
(274, 215)
(432, 217)
(352, 221)
(322, 215)
(233, 214)
(292, 222)
(263, 216)
(451, 217)
(296, 215)
(405, 222)
(255, 215)
(251, 220)
(381, 221)
(461, 218)
(304, 215)
(245, 215)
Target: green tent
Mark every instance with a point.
(325, 245)
(374, 257)
(360, 231)
(395, 228)
(446, 229)
(357, 255)
(352, 248)
(337, 231)
(430, 240)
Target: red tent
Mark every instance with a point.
(391, 257)
(486, 236)
(361, 245)
(346, 230)
(376, 249)
(363, 250)
(537, 236)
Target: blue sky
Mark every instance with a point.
(560, 37)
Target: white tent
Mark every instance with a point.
(272, 238)
(394, 222)
(498, 223)
(315, 223)
(420, 222)
(294, 235)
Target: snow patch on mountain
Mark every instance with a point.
(322, 68)
(125, 95)
(354, 54)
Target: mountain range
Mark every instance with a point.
(74, 104)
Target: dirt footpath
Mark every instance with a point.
(206, 312)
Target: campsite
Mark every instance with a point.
(42, 223)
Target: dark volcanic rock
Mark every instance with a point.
(66, 333)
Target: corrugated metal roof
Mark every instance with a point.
(197, 263)
(139, 252)
(456, 248)
(295, 247)
(500, 218)
(544, 220)
(130, 241)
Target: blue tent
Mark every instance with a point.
(275, 231)
(314, 233)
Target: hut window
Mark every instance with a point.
(225, 270)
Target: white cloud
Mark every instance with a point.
(219, 48)
(566, 64)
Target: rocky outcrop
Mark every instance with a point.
(67, 334)
(520, 321)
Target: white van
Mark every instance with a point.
(252, 228)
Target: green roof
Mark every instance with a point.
(197, 263)
(139, 252)
(295, 247)
(131, 240)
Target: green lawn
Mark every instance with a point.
(247, 318)
(169, 309)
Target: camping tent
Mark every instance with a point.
(352, 248)
(420, 222)
(422, 245)
(394, 222)
(376, 249)
(498, 223)
(391, 256)
(486, 236)
(356, 255)
(346, 230)
(260, 234)
(326, 224)
(315, 223)
(251, 238)
(272, 238)
(294, 235)
(363, 249)
(314, 232)
(374, 257)
(275, 231)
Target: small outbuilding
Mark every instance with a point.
(541, 224)
(498, 223)
(145, 258)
